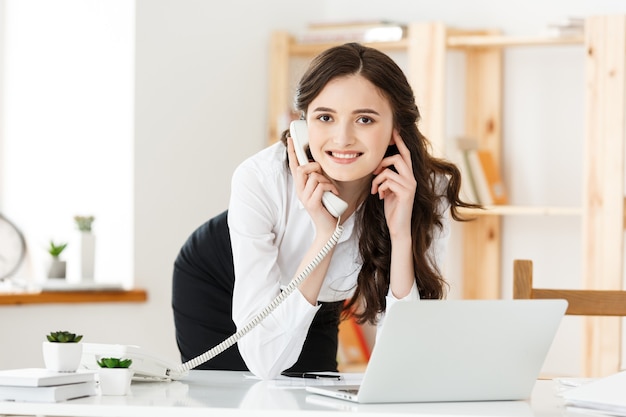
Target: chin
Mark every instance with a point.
(348, 174)
(349, 178)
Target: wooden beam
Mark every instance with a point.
(483, 121)
(278, 106)
(427, 76)
(603, 194)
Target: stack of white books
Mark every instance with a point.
(43, 385)
(573, 26)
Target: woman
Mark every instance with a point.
(366, 148)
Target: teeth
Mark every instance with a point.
(345, 155)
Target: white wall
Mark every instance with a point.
(200, 108)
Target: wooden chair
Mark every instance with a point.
(581, 303)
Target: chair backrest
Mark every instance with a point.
(601, 351)
(581, 302)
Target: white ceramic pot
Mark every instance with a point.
(57, 269)
(62, 357)
(115, 381)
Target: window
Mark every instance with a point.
(66, 142)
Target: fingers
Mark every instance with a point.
(299, 172)
(291, 153)
(387, 180)
(296, 171)
(316, 184)
(404, 155)
(402, 148)
(308, 178)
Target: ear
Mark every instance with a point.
(395, 132)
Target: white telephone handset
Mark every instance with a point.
(299, 132)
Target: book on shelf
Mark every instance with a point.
(468, 188)
(41, 377)
(47, 394)
(487, 178)
(484, 182)
(573, 26)
(353, 31)
(349, 24)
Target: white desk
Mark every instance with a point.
(229, 393)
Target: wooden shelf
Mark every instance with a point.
(458, 41)
(525, 211)
(72, 297)
(311, 49)
(491, 41)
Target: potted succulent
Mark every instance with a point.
(62, 352)
(115, 376)
(57, 266)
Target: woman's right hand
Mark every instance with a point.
(310, 185)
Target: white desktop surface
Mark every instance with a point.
(230, 393)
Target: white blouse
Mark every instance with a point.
(270, 233)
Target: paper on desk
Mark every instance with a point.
(573, 382)
(566, 384)
(605, 395)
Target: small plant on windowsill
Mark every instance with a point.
(83, 223)
(62, 352)
(57, 266)
(55, 250)
(115, 376)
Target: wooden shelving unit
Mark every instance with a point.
(426, 46)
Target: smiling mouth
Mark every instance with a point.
(351, 155)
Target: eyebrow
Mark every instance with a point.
(357, 111)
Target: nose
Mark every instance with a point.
(344, 135)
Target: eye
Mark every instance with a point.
(324, 118)
(365, 120)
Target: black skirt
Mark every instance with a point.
(202, 293)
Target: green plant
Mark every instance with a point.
(56, 249)
(114, 363)
(64, 337)
(84, 223)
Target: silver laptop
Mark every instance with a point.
(456, 350)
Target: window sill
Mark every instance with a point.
(58, 297)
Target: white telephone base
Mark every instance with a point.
(146, 366)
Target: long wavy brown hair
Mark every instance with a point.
(374, 241)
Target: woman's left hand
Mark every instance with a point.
(396, 188)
